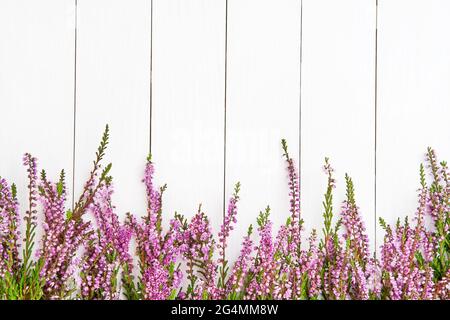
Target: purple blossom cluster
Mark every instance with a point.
(9, 231)
(86, 252)
(156, 250)
(105, 250)
(415, 257)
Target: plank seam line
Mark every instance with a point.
(151, 77)
(300, 104)
(74, 101)
(225, 109)
(376, 123)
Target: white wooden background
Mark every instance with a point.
(211, 86)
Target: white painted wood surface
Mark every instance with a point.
(414, 98)
(113, 80)
(262, 106)
(338, 104)
(188, 104)
(36, 88)
(186, 118)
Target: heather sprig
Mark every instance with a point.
(348, 271)
(65, 231)
(296, 223)
(262, 272)
(94, 182)
(226, 228)
(160, 274)
(436, 203)
(106, 250)
(364, 283)
(197, 249)
(335, 257)
(19, 277)
(10, 262)
(238, 280)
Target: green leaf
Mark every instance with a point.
(60, 188)
(14, 191)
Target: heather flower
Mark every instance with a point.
(442, 290)
(365, 280)
(435, 203)
(406, 270)
(237, 281)
(157, 252)
(61, 240)
(65, 231)
(197, 250)
(105, 250)
(225, 229)
(31, 213)
(261, 273)
(339, 272)
(406, 275)
(9, 231)
(294, 194)
(355, 230)
(313, 265)
(334, 248)
(414, 259)
(288, 252)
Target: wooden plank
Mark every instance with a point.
(263, 106)
(113, 77)
(414, 100)
(188, 95)
(338, 117)
(36, 88)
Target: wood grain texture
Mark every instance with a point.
(113, 80)
(263, 106)
(338, 117)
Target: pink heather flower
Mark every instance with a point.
(31, 164)
(365, 279)
(153, 196)
(262, 272)
(9, 231)
(404, 276)
(98, 270)
(359, 283)
(157, 259)
(408, 252)
(313, 266)
(294, 190)
(105, 250)
(227, 226)
(157, 252)
(61, 239)
(225, 229)
(197, 250)
(337, 276)
(329, 170)
(355, 232)
(156, 282)
(294, 241)
(442, 290)
(236, 281)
